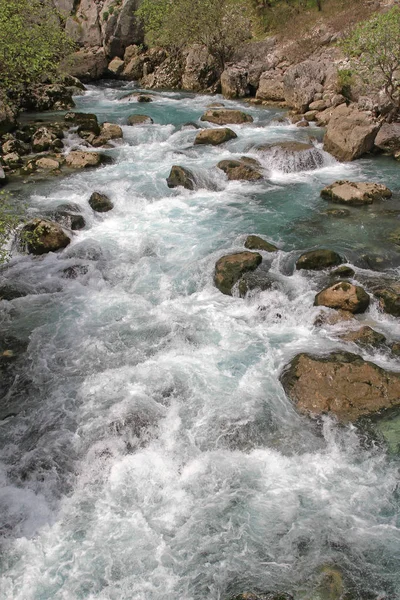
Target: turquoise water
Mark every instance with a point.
(154, 454)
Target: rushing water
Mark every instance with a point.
(149, 451)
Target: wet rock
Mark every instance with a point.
(137, 97)
(83, 160)
(15, 145)
(388, 138)
(343, 296)
(230, 268)
(264, 596)
(350, 133)
(340, 213)
(355, 194)
(86, 122)
(70, 220)
(12, 160)
(317, 260)
(289, 147)
(224, 116)
(43, 139)
(48, 164)
(215, 105)
(343, 271)
(331, 585)
(190, 125)
(179, 176)
(254, 281)
(111, 130)
(42, 236)
(240, 170)
(215, 136)
(365, 336)
(254, 242)
(389, 300)
(86, 250)
(333, 317)
(340, 383)
(10, 292)
(140, 120)
(75, 271)
(100, 202)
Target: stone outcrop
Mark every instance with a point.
(302, 81)
(271, 88)
(43, 236)
(355, 193)
(229, 269)
(342, 384)
(100, 202)
(200, 70)
(88, 64)
(317, 260)
(215, 136)
(225, 116)
(343, 296)
(234, 83)
(179, 176)
(241, 170)
(350, 133)
(254, 242)
(388, 138)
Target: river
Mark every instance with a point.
(150, 452)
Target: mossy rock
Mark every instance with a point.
(100, 202)
(254, 242)
(230, 268)
(316, 260)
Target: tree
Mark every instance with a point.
(32, 42)
(219, 25)
(374, 47)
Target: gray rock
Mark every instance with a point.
(350, 133)
(100, 202)
(179, 176)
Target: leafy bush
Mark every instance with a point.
(345, 79)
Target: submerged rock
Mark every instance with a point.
(70, 220)
(100, 202)
(224, 116)
(264, 596)
(343, 271)
(333, 317)
(179, 176)
(355, 194)
(337, 212)
(257, 280)
(215, 136)
(42, 236)
(230, 268)
(317, 260)
(365, 336)
(389, 300)
(140, 120)
(343, 296)
(240, 170)
(340, 383)
(254, 242)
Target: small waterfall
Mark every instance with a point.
(293, 157)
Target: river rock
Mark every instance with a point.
(365, 336)
(84, 122)
(100, 202)
(215, 136)
(340, 213)
(230, 268)
(286, 147)
(389, 300)
(42, 236)
(344, 296)
(116, 66)
(317, 260)
(350, 133)
(333, 317)
(70, 220)
(240, 170)
(388, 138)
(257, 280)
(179, 176)
(47, 164)
(137, 97)
(15, 145)
(140, 120)
(83, 160)
(343, 271)
(355, 194)
(43, 139)
(12, 160)
(340, 383)
(112, 131)
(225, 116)
(254, 242)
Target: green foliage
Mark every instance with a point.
(345, 79)
(220, 25)
(374, 47)
(106, 14)
(11, 217)
(32, 42)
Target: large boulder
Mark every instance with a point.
(83, 160)
(389, 299)
(234, 83)
(215, 136)
(122, 28)
(302, 81)
(116, 66)
(241, 170)
(270, 88)
(350, 133)
(87, 65)
(255, 242)
(230, 268)
(317, 260)
(343, 296)
(42, 236)
(112, 131)
(340, 383)
(388, 138)
(225, 116)
(179, 176)
(200, 70)
(355, 194)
